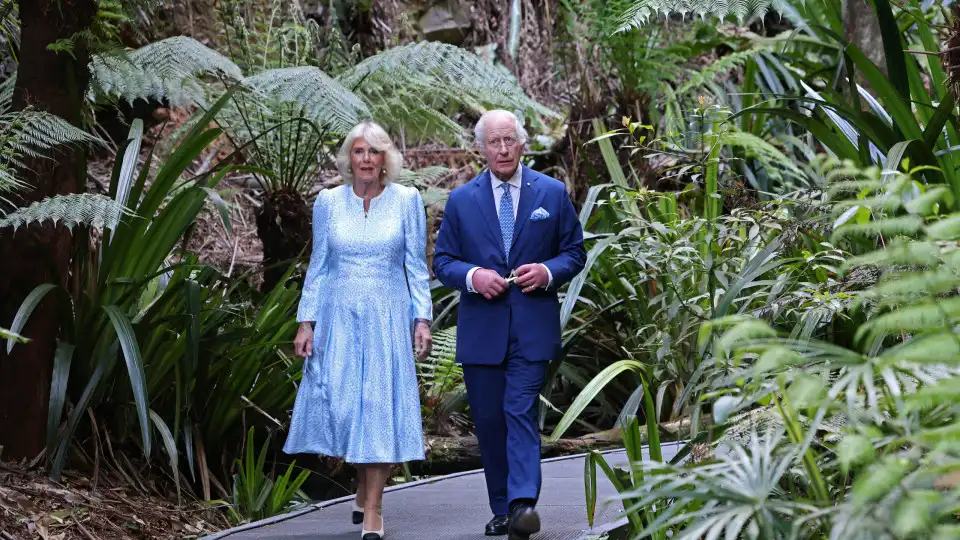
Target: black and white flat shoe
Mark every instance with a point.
(372, 535)
(357, 516)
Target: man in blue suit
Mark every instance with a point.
(510, 238)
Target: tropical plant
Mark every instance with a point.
(256, 495)
(173, 323)
(858, 440)
(29, 133)
(663, 265)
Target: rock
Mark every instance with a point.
(446, 21)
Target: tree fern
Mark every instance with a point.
(30, 134)
(316, 95)
(169, 69)
(96, 211)
(451, 69)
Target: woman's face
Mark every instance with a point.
(367, 161)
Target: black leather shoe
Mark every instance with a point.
(524, 522)
(498, 526)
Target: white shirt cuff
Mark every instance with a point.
(549, 275)
(470, 279)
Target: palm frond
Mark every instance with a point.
(95, 211)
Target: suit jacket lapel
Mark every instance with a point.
(530, 198)
(483, 192)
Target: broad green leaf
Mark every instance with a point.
(62, 360)
(27, 308)
(131, 355)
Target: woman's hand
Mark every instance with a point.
(303, 343)
(423, 340)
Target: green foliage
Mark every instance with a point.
(659, 276)
(171, 69)
(641, 11)
(442, 391)
(256, 495)
(29, 133)
(198, 349)
(95, 211)
(865, 434)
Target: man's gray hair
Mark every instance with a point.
(480, 130)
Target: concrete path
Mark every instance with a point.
(453, 507)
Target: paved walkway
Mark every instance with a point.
(453, 507)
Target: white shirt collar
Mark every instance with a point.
(514, 180)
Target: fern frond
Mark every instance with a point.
(925, 204)
(169, 69)
(640, 13)
(452, 70)
(898, 253)
(898, 226)
(34, 133)
(876, 204)
(909, 287)
(427, 176)
(778, 166)
(320, 98)
(947, 228)
(439, 373)
(426, 180)
(945, 391)
(724, 65)
(95, 211)
(943, 348)
(416, 103)
(926, 317)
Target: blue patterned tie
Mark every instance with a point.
(506, 219)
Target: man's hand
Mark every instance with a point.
(423, 340)
(532, 277)
(303, 343)
(489, 283)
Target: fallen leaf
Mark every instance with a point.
(42, 531)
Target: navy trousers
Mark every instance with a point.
(503, 402)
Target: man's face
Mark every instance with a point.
(501, 147)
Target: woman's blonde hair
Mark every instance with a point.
(376, 137)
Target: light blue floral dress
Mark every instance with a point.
(366, 283)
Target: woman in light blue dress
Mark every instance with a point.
(364, 310)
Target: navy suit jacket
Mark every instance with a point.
(470, 236)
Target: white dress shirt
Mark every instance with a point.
(515, 182)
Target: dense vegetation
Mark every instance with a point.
(769, 199)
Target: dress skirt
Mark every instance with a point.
(359, 396)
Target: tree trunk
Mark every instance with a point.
(284, 227)
(55, 83)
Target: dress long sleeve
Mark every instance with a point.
(415, 259)
(317, 269)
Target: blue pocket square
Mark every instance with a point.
(539, 214)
